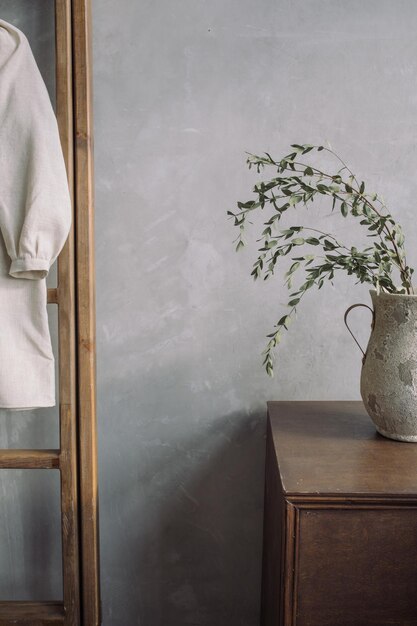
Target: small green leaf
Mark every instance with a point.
(328, 245)
(246, 205)
(295, 199)
(294, 267)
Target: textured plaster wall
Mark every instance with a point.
(182, 90)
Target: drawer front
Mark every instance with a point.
(355, 567)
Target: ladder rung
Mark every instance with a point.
(31, 613)
(29, 459)
(52, 296)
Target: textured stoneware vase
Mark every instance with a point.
(389, 371)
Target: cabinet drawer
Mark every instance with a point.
(356, 567)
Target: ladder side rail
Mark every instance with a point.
(85, 318)
(66, 324)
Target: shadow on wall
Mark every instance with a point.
(191, 550)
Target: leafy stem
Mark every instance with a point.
(298, 183)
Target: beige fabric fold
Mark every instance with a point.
(35, 218)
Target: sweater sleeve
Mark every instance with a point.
(35, 205)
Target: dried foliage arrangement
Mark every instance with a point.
(318, 255)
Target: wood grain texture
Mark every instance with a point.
(288, 576)
(29, 459)
(333, 448)
(52, 296)
(338, 550)
(273, 538)
(86, 337)
(357, 567)
(66, 324)
(31, 613)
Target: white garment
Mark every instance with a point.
(35, 218)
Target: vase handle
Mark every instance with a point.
(354, 306)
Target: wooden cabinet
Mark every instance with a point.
(340, 530)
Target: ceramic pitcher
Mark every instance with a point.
(389, 370)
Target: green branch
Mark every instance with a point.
(299, 183)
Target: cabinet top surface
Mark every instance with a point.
(332, 448)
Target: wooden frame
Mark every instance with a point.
(339, 530)
(85, 288)
(75, 297)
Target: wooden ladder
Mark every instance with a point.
(74, 296)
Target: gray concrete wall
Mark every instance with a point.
(182, 90)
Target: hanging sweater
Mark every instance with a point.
(35, 218)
